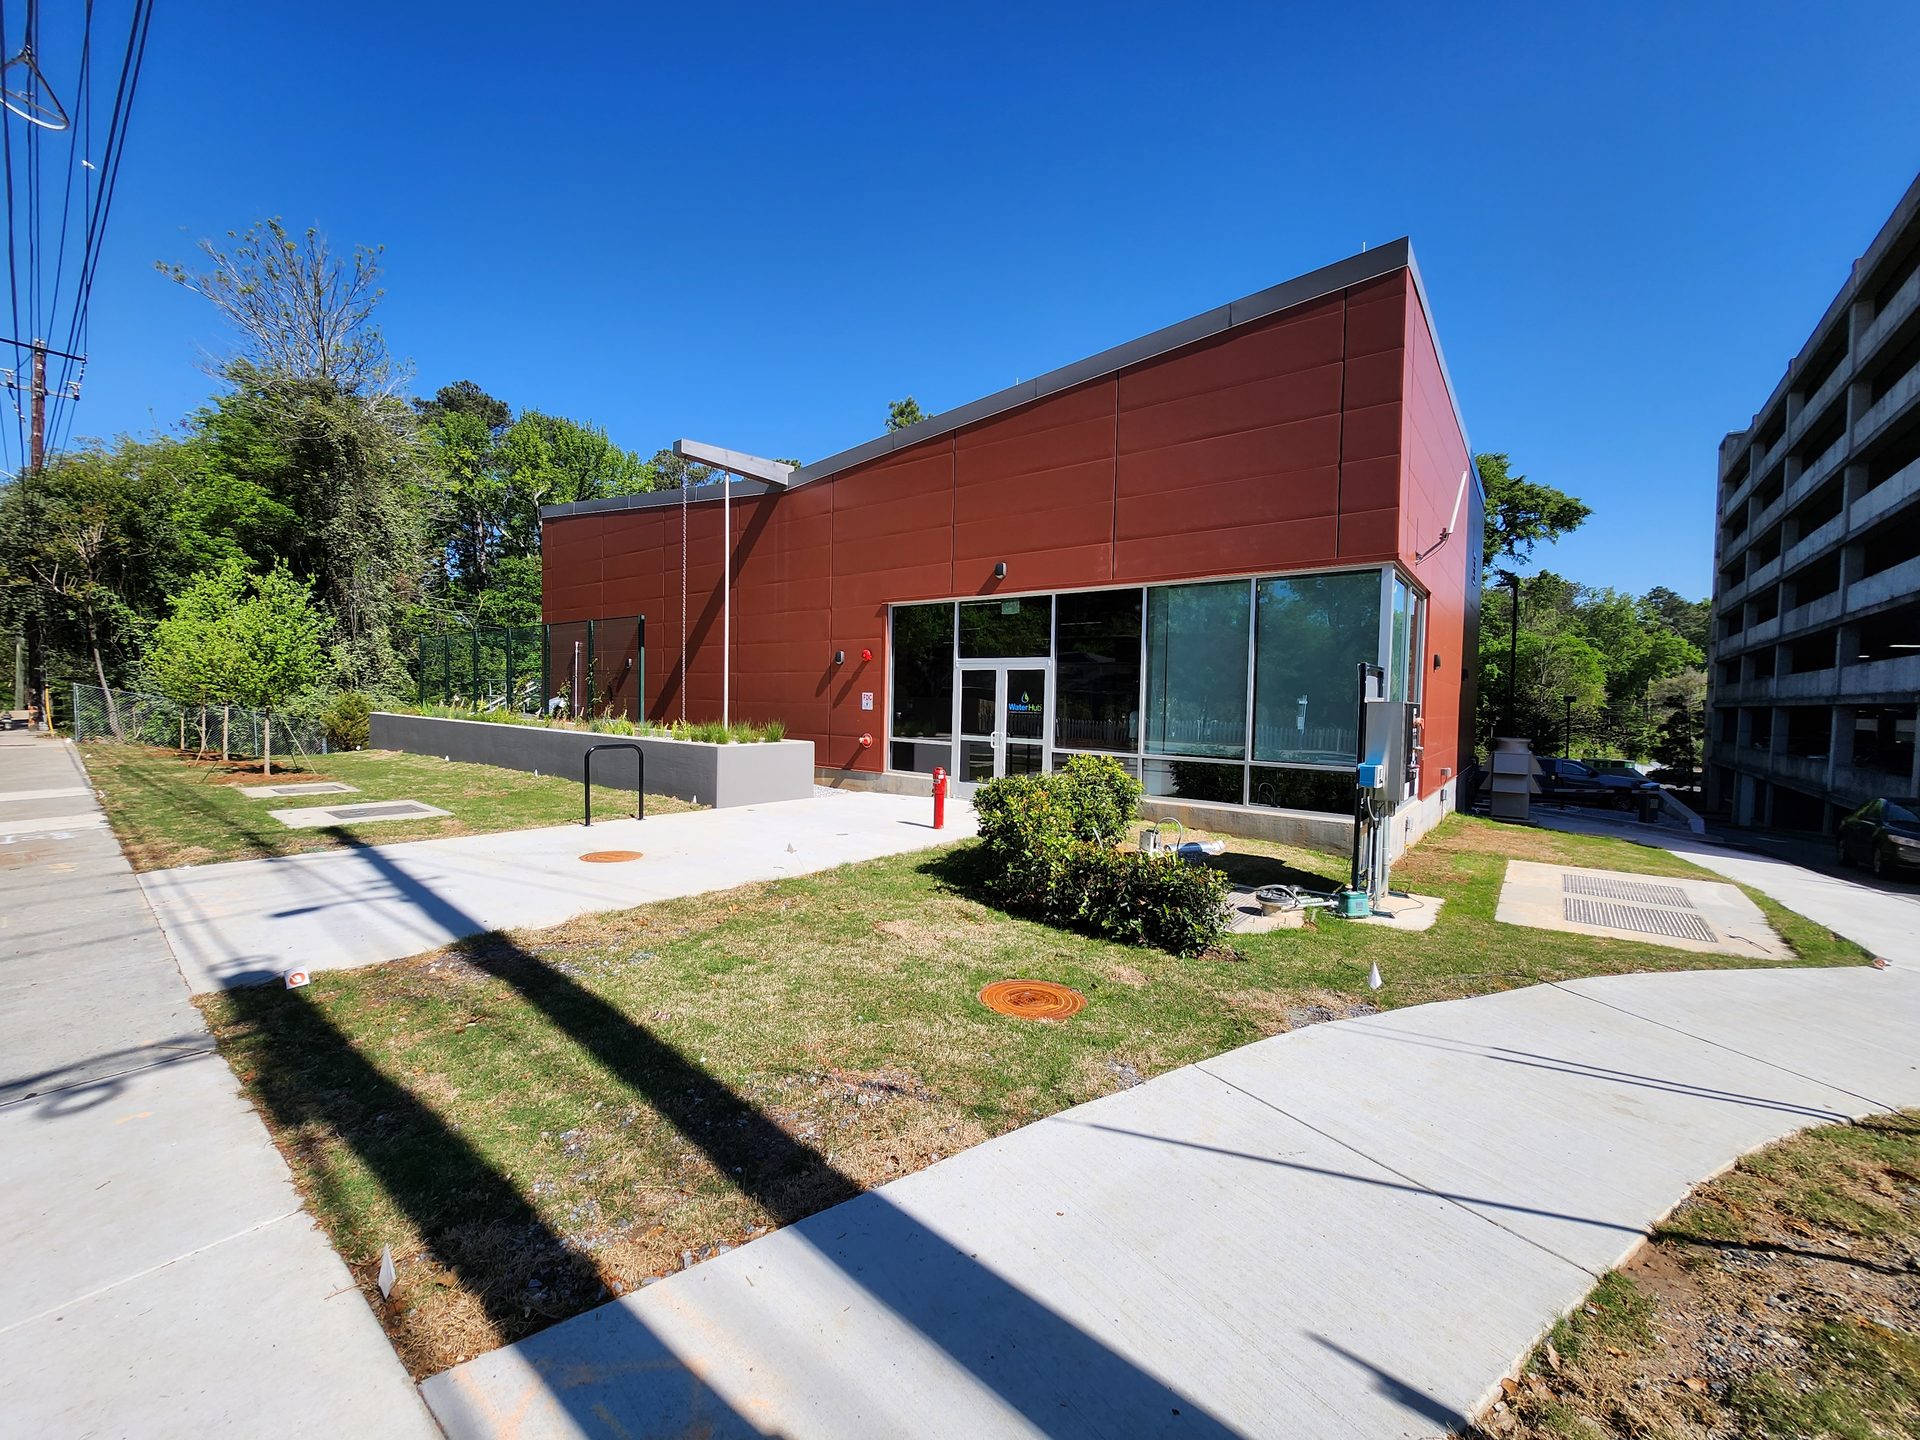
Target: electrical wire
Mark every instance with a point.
(101, 210)
(13, 264)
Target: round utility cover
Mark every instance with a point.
(1033, 999)
(610, 857)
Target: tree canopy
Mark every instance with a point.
(1522, 513)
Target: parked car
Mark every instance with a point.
(1883, 835)
(1573, 782)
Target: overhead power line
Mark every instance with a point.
(60, 159)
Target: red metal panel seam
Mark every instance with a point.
(1113, 510)
(1340, 447)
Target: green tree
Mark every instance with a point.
(550, 460)
(193, 655)
(278, 636)
(1691, 620)
(1521, 513)
(302, 311)
(902, 413)
(349, 468)
(86, 549)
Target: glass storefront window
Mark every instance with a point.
(1195, 780)
(1329, 791)
(1097, 676)
(922, 659)
(1311, 635)
(1006, 629)
(1197, 669)
(1401, 637)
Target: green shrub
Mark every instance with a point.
(612, 725)
(774, 730)
(348, 720)
(1137, 899)
(1101, 797)
(1048, 846)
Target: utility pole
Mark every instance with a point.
(37, 453)
(36, 462)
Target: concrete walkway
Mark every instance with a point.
(157, 1275)
(253, 920)
(1349, 1231)
(1881, 917)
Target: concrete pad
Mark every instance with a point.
(58, 792)
(252, 920)
(1409, 914)
(305, 787)
(314, 817)
(1030, 1286)
(1868, 1047)
(87, 986)
(49, 823)
(158, 1277)
(108, 1179)
(1699, 915)
(1886, 921)
(1565, 1122)
(263, 1333)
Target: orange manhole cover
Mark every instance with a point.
(1032, 999)
(610, 857)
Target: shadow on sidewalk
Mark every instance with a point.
(1059, 1378)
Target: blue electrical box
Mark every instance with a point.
(1369, 777)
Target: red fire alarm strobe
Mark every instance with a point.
(866, 654)
(866, 741)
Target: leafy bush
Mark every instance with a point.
(1137, 899)
(1101, 797)
(348, 720)
(1048, 843)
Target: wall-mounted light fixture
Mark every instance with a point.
(1436, 662)
(1000, 571)
(839, 657)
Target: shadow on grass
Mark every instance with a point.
(606, 1372)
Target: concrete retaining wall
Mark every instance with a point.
(716, 775)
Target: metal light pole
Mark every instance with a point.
(1512, 582)
(1568, 751)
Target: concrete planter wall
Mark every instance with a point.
(716, 775)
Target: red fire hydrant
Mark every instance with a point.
(939, 798)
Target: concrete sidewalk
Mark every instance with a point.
(157, 1274)
(252, 920)
(1884, 919)
(1352, 1230)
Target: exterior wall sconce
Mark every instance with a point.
(839, 657)
(1000, 571)
(1436, 662)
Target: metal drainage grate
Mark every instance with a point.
(1680, 924)
(311, 787)
(381, 810)
(1671, 895)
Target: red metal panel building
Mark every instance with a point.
(1308, 431)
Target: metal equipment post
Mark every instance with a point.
(726, 593)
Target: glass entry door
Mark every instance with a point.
(1001, 727)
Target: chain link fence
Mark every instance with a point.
(230, 730)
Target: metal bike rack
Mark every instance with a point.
(586, 777)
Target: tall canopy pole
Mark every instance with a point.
(774, 475)
(726, 594)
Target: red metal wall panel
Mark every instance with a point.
(1435, 457)
(1289, 443)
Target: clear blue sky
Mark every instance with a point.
(757, 225)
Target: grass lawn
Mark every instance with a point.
(536, 1120)
(1782, 1301)
(170, 809)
